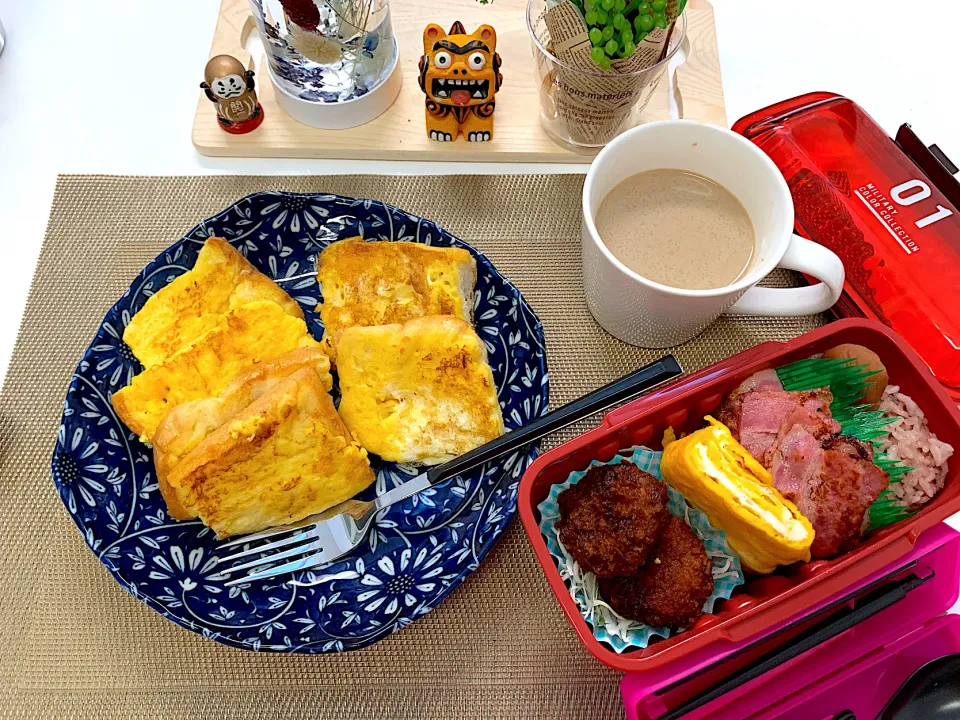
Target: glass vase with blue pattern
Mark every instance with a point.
(327, 51)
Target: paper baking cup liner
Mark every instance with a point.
(618, 632)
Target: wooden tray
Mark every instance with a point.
(399, 133)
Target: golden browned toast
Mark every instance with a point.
(245, 336)
(221, 280)
(285, 456)
(421, 392)
(381, 283)
(188, 424)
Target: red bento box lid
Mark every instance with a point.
(763, 602)
(888, 208)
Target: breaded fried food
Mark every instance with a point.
(674, 584)
(221, 280)
(384, 283)
(188, 424)
(421, 392)
(246, 336)
(285, 456)
(611, 517)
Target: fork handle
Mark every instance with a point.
(647, 377)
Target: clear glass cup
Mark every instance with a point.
(327, 51)
(585, 108)
(3, 36)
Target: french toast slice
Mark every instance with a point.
(383, 283)
(285, 456)
(421, 392)
(187, 425)
(245, 336)
(221, 280)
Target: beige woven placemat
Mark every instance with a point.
(73, 644)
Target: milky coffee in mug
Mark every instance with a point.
(677, 228)
(672, 269)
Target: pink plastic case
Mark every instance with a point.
(858, 669)
(762, 603)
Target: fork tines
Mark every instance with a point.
(298, 543)
(318, 543)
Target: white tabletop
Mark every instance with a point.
(71, 74)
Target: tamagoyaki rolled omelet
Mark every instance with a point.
(716, 474)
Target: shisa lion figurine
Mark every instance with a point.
(460, 75)
(230, 86)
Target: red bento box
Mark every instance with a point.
(763, 601)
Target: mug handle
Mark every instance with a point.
(807, 257)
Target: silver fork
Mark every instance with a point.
(324, 538)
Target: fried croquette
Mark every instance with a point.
(611, 517)
(673, 585)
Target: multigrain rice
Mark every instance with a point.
(911, 441)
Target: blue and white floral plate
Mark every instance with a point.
(418, 550)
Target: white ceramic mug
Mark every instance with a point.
(647, 313)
